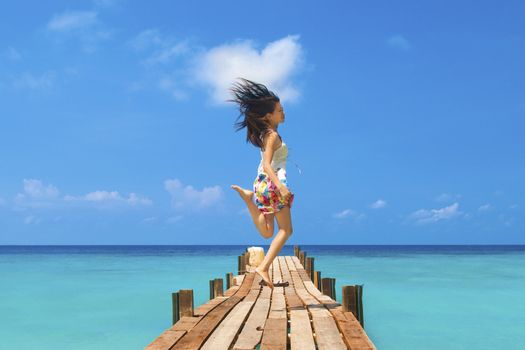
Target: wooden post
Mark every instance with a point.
(182, 304)
(239, 263)
(243, 261)
(296, 250)
(360, 305)
(353, 301)
(216, 288)
(310, 267)
(317, 279)
(229, 280)
(328, 287)
(302, 258)
(175, 307)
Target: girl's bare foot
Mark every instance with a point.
(245, 194)
(265, 276)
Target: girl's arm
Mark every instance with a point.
(271, 143)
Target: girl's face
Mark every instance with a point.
(277, 116)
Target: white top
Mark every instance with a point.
(278, 161)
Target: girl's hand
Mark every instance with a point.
(283, 191)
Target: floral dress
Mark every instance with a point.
(266, 192)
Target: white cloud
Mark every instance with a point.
(29, 81)
(485, 207)
(273, 66)
(180, 65)
(149, 219)
(425, 216)
(161, 52)
(172, 87)
(174, 219)
(380, 203)
(446, 197)
(79, 26)
(161, 49)
(30, 219)
(349, 213)
(12, 54)
(110, 197)
(35, 188)
(72, 20)
(186, 197)
(38, 195)
(399, 42)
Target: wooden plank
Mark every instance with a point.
(275, 328)
(327, 334)
(353, 333)
(278, 304)
(198, 334)
(224, 334)
(301, 334)
(228, 329)
(274, 335)
(252, 331)
(165, 340)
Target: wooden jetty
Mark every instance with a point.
(249, 316)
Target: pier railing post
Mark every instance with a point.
(182, 304)
(229, 280)
(302, 258)
(216, 288)
(242, 260)
(353, 301)
(328, 286)
(309, 267)
(317, 279)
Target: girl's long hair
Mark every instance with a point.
(255, 101)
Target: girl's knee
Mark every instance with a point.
(288, 231)
(267, 234)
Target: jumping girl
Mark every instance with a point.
(263, 113)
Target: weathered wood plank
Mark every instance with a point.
(228, 329)
(301, 334)
(353, 333)
(327, 334)
(275, 331)
(274, 335)
(251, 333)
(278, 304)
(165, 340)
(198, 334)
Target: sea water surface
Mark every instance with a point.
(119, 297)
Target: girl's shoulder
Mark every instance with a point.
(267, 135)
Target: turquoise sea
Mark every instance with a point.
(119, 297)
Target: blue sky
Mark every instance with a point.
(405, 119)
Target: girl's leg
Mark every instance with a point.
(264, 225)
(284, 220)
